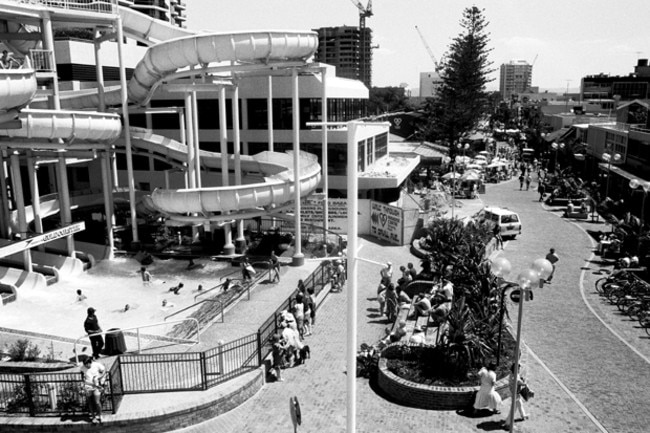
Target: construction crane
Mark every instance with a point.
(428, 48)
(364, 54)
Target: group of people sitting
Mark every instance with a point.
(436, 302)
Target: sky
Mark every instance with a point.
(566, 39)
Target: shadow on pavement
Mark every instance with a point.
(491, 426)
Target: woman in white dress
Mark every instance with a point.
(487, 397)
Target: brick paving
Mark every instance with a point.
(558, 327)
(596, 383)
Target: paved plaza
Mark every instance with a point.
(588, 365)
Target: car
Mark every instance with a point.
(508, 220)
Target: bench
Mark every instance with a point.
(576, 215)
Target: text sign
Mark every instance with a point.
(311, 211)
(386, 222)
(37, 240)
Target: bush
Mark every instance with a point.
(24, 350)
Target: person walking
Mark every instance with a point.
(279, 347)
(247, 270)
(553, 258)
(91, 325)
(528, 181)
(275, 267)
(94, 374)
(521, 181)
(541, 189)
(487, 397)
(519, 400)
(497, 236)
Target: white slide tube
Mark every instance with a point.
(67, 125)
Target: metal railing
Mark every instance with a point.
(139, 336)
(199, 303)
(42, 60)
(53, 393)
(37, 394)
(99, 6)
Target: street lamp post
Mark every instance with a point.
(645, 186)
(611, 159)
(527, 279)
(556, 147)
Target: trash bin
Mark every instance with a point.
(114, 342)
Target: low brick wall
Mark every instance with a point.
(164, 419)
(428, 396)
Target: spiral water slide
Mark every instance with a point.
(165, 57)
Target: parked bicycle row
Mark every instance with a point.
(629, 293)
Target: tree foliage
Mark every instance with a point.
(462, 99)
(387, 100)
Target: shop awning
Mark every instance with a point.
(558, 135)
(619, 171)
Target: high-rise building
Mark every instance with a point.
(172, 11)
(515, 78)
(348, 49)
(430, 82)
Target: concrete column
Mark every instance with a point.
(127, 133)
(64, 202)
(189, 130)
(99, 73)
(298, 257)
(48, 43)
(108, 202)
(325, 180)
(229, 247)
(269, 113)
(5, 230)
(197, 142)
(240, 241)
(17, 189)
(32, 171)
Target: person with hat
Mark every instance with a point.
(418, 336)
(91, 325)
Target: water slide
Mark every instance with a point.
(173, 49)
(275, 191)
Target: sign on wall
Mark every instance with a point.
(40, 239)
(387, 222)
(311, 211)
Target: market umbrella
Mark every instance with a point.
(480, 157)
(471, 175)
(473, 166)
(451, 175)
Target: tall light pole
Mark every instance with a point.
(556, 147)
(645, 186)
(611, 159)
(527, 279)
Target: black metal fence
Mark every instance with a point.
(42, 394)
(63, 393)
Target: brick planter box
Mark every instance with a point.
(428, 396)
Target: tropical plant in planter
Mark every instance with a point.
(475, 319)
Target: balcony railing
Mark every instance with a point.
(42, 60)
(99, 6)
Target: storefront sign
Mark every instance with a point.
(386, 222)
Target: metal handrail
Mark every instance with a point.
(137, 328)
(234, 282)
(194, 305)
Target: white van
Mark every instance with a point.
(508, 220)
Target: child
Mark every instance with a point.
(146, 276)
